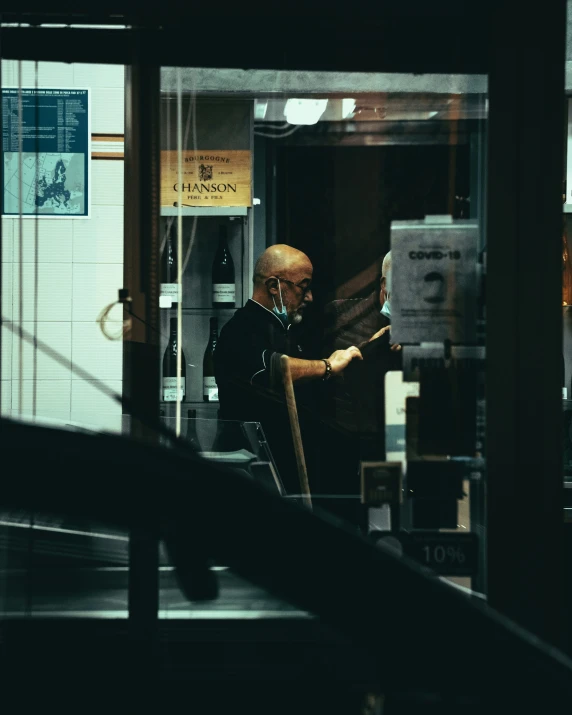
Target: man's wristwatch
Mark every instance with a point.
(328, 372)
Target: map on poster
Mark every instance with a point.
(50, 177)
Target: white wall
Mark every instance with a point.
(80, 269)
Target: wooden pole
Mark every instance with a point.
(295, 429)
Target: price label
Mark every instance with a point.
(210, 389)
(448, 554)
(224, 293)
(380, 483)
(170, 394)
(170, 293)
(170, 389)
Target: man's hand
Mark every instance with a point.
(382, 332)
(340, 359)
(379, 333)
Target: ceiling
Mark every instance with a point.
(382, 107)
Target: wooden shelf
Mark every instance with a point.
(191, 403)
(210, 312)
(205, 211)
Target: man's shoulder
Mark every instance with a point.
(251, 324)
(249, 317)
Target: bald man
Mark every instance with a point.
(247, 355)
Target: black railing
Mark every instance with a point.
(422, 634)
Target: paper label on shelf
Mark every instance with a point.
(396, 393)
(170, 293)
(210, 389)
(170, 389)
(223, 292)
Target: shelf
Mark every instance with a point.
(210, 312)
(190, 404)
(205, 211)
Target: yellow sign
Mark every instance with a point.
(208, 178)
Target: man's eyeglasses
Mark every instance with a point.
(304, 288)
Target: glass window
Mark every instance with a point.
(62, 331)
(364, 194)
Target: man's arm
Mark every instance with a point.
(304, 370)
(379, 334)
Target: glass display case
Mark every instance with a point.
(206, 233)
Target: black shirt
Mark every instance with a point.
(247, 372)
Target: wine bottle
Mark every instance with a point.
(170, 368)
(566, 270)
(170, 293)
(210, 389)
(191, 436)
(223, 274)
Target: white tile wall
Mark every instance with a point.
(93, 352)
(88, 398)
(7, 246)
(98, 75)
(6, 396)
(107, 110)
(7, 67)
(95, 285)
(54, 291)
(6, 356)
(57, 337)
(54, 240)
(80, 269)
(52, 397)
(107, 183)
(50, 74)
(99, 240)
(7, 292)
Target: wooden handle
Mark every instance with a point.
(295, 429)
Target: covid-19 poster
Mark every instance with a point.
(433, 292)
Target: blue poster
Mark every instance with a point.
(50, 178)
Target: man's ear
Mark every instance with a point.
(272, 285)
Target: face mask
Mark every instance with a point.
(386, 309)
(281, 314)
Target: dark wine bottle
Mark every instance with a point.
(170, 368)
(223, 273)
(170, 293)
(191, 436)
(210, 389)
